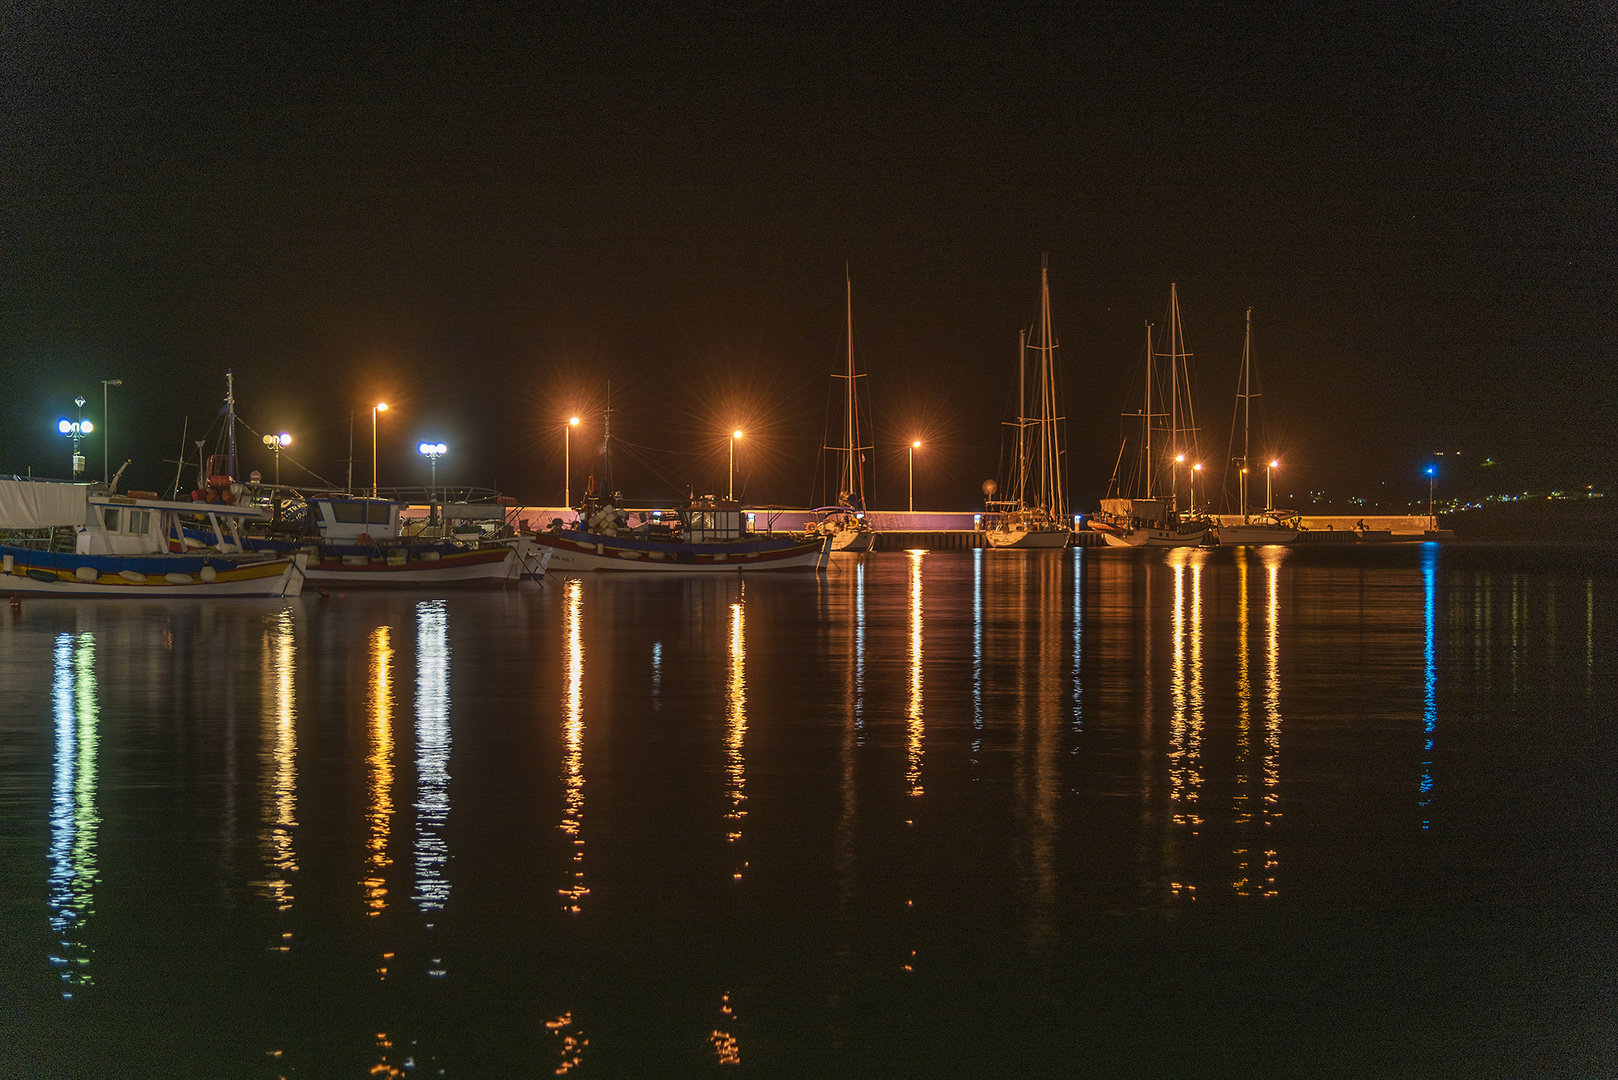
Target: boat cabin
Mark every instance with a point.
(107, 524)
(346, 520)
(713, 520)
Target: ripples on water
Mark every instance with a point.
(1297, 812)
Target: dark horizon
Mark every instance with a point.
(486, 222)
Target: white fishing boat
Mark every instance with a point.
(845, 523)
(360, 543)
(703, 535)
(1134, 514)
(1034, 513)
(1267, 526)
(78, 540)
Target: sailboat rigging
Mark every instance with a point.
(1142, 517)
(1035, 512)
(1269, 526)
(845, 522)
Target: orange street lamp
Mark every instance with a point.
(914, 446)
(734, 435)
(567, 460)
(379, 407)
(1269, 501)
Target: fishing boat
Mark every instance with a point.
(1134, 513)
(360, 543)
(78, 540)
(845, 523)
(702, 535)
(1267, 526)
(1034, 513)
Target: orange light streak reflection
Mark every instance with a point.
(573, 739)
(380, 765)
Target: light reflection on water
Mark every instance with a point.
(1060, 814)
(433, 744)
(915, 730)
(573, 740)
(278, 759)
(74, 821)
(736, 727)
(379, 817)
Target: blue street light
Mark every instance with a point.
(76, 430)
(432, 451)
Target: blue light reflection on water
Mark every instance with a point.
(74, 820)
(1429, 713)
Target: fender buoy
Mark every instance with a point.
(363, 538)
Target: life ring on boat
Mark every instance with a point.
(363, 538)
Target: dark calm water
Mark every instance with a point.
(1264, 813)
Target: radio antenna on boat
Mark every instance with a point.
(606, 443)
(230, 421)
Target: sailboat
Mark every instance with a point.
(1035, 514)
(1269, 526)
(1146, 517)
(845, 523)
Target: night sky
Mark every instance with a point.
(484, 218)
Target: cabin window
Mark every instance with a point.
(381, 513)
(109, 518)
(140, 522)
(349, 513)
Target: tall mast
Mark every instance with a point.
(1247, 406)
(849, 484)
(230, 422)
(1051, 493)
(1146, 417)
(1022, 419)
(1174, 391)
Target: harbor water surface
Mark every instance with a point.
(1316, 812)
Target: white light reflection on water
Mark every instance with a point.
(915, 731)
(657, 675)
(1078, 641)
(850, 742)
(432, 757)
(278, 756)
(74, 820)
(977, 653)
(379, 762)
(1429, 715)
(573, 738)
(736, 725)
(859, 651)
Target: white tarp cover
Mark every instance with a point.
(25, 504)
(1145, 509)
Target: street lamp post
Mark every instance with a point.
(76, 430)
(734, 435)
(275, 442)
(1431, 473)
(914, 445)
(1269, 492)
(567, 460)
(432, 451)
(106, 429)
(1195, 469)
(379, 407)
